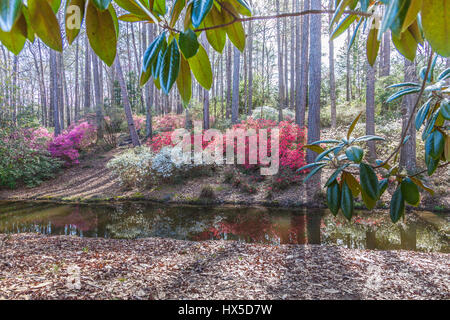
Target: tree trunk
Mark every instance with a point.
(370, 110)
(87, 77)
(315, 70)
(54, 93)
(250, 69)
(148, 89)
(280, 67)
(302, 93)
(126, 104)
(332, 77)
(235, 103)
(386, 54)
(229, 80)
(348, 67)
(97, 94)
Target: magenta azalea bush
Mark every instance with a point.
(67, 146)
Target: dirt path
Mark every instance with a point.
(37, 267)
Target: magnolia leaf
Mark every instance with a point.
(410, 192)
(101, 32)
(369, 181)
(9, 13)
(397, 209)
(436, 27)
(201, 68)
(44, 23)
(188, 43)
(334, 198)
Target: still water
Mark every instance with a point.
(369, 230)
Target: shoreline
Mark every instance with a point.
(204, 203)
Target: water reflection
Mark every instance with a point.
(255, 225)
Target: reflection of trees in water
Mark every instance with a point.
(375, 231)
(133, 220)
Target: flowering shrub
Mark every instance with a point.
(292, 140)
(141, 167)
(165, 168)
(139, 122)
(133, 167)
(67, 146)
(161, 140)
(24, 158)
(168, 122)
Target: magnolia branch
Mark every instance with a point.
(412, 115)
(271, 17)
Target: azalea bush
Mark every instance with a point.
(168, 122)
(68, 145)
(133, 167)
(24, 158)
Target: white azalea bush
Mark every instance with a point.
(142, 168)
(133, 167)
(168, 165)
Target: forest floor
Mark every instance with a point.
(92, 181)
(40, 267)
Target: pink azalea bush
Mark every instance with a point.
(67, 146)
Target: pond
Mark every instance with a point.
(369, 230)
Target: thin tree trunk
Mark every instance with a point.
(370, 110)
(126, 104)
(315, 69)
(250, 69)
(302, 94)
(54, 93)
(97, 94)
(332, 77)
(280, 67)
(235, 103)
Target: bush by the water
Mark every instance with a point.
(24, 158)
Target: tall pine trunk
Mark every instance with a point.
(315, 71)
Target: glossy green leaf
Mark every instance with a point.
(355, 154)
(436, 27)
(346, 201)
(101, 4)
(335, 174)
(394, 16)
(397, 209)
(310, 165)
(189, 44)
(200, 8)
(201, 68)
(411, 15)
(13, 40)
(313, 172)
(431, 163)
(44, 23)
(422, 114)
(444, 75)
(242, 6)
(402, 93)
(153, 50)
(101, 33)
(159, 6)
(353, 125)
(216, 37)
(170, 67)
(406, 44)
(383, 185)
(343, 26)
(235, 31)
(410, 192)
(73, 8)
(373, 45)
(434, 146)
(369, 181)
(132, 7)
(176, 11)
(334, 198)
(184, 82)
(368, 201)
(9, 13)
(445, 109)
